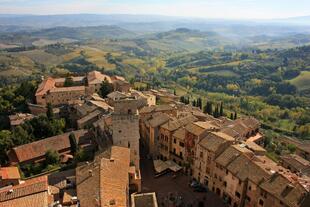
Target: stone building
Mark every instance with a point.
(296, 164)
(166, 132)
(9, 176)
(34, 192)
(35, 151)
(207, 149)
(54, 90)
(108, 180)
(125, 125)
(193, 133)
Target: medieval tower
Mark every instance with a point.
(126, 127)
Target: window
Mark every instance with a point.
(201, 154)
(250, 188)
(261, 202)
(181, 154)
(248, 198)
(237, 194)
(174, 141)
(239, 182)
(128, 144)
(174, 151)
(181, 144)
(225, 183)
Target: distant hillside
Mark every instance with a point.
(82, 33)
(183, 39)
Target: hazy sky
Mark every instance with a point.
(249, 9)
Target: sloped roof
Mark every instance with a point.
(114, 177)
(115, 95)
(297, 162)
(159, 119)
(33, 192)
(214, 140)
(45, 86)
(95, 77)
(243, 167)
(230, 154)
(9, 173)
(39, 148)
(173, 125)
(67, 89)
(289, 193)
(180, 133)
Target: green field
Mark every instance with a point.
(302, 82)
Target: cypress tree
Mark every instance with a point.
(231, 116)
(73, 144)
(49, 112)
(221, 109)
(235, 117)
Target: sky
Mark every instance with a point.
(224, 9)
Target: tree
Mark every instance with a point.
(231, 116)
(6, 144)
(69, 82)
(221, 109)
(106, 88)
(52, 157)
(199, 103)
(291, 148)
(73, 143)
(235, 116)
(216, 112)
(208, 108)
(49, 112)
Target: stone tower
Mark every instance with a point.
(126, 127)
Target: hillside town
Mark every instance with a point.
(134, 148)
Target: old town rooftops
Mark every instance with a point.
(39, 148)
(213, 140)
(9, 173)
(105, 181)
(32, 192)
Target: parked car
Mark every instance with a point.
(200, 188)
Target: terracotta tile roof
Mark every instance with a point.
(158, 119)
(96, 77)
(89, 116)
(147, 109)
(197, 128)
(9, 173)
(19, 118)
(255, 147)
(214, 140)
(115, 95)
(105, 180)
(67, 89)
(230, 154)
(114, 179)
(291, 194)
(180, 133)
(37, 149)
(297, 162)
(45, 86)
(243, 168)
(173, 125)
(33, 192)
